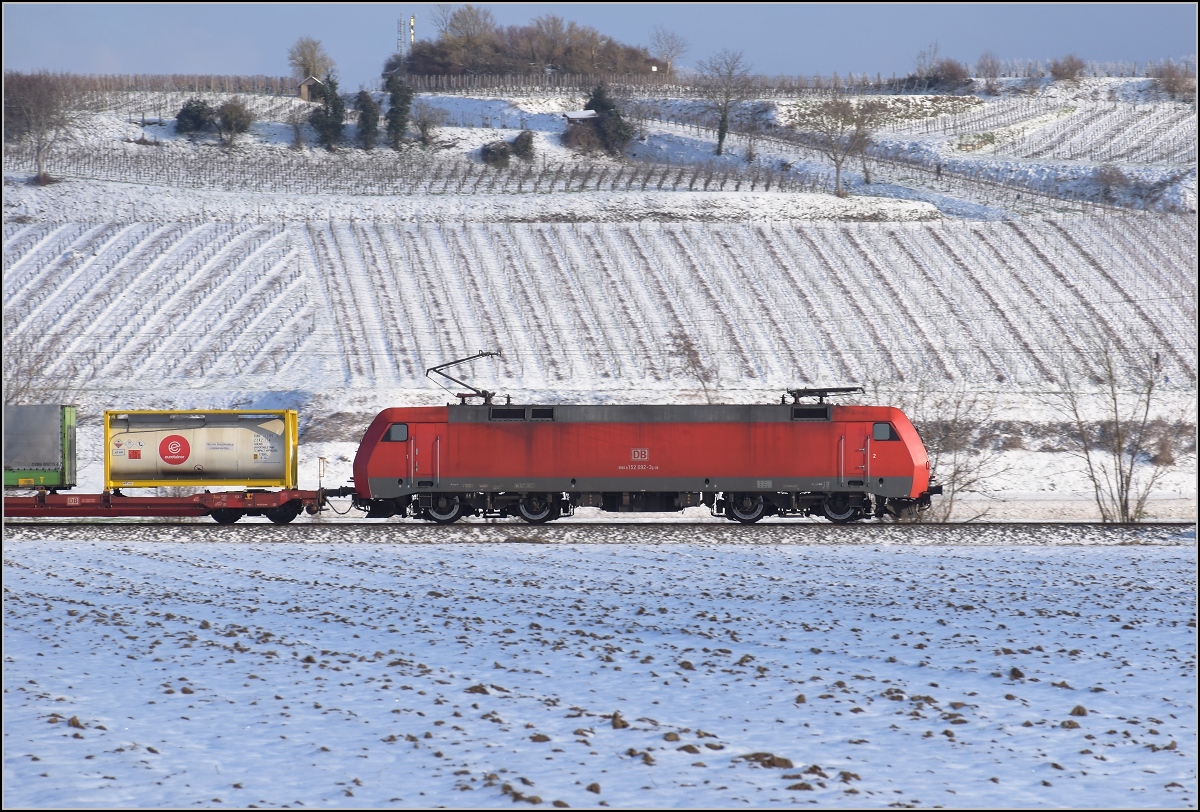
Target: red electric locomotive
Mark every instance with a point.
(743, 462)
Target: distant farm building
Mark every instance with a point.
(306, 88)
(582, 115)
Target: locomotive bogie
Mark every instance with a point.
(744, 507)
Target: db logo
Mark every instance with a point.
(639, 454)
(174, 450)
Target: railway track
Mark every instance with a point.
(605, 532)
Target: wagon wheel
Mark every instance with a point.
(225, 515)
(283, 514)
(538, 508)
(838, 509)
(746, 508)
(445, 509)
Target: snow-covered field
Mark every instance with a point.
(627, 667)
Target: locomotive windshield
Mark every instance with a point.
(884, 431)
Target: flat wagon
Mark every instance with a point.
(255, 452)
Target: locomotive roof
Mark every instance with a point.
(643, 413)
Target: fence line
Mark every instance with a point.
(385, 173)
(519, 83)
(977, 177)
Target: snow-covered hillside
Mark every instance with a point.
(595, 306)
(983, 254)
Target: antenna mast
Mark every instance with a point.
(404, 44)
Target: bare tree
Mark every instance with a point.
(960, 438)
(959, 429)
(1031, 85)
(1068, 69)
(232, 119)
(471, 23)
(440, 17)
(27, 357)
(1123, 448)
(549, 41)
(469, 34)
(427, 118)
(1113, 182)
(988, 69)
(1176, 79)
(667, 46)
(297, 118)
(753, 120)
(681, 346)
(307, 58)
(838, 128)
(927, 57)
(868, 115)
(40, 108)
(724, 81)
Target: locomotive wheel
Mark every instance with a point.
(745, 508)
(537, 508)
(225, 515)
(838, 509)
(446, 509)
(284, 513)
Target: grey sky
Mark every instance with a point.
(784, 38)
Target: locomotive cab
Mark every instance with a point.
(882, 465)
(399, 466)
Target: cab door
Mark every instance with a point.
(854, 449)
(888, 465)
(425, 454)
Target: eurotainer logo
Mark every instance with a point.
(174, 450)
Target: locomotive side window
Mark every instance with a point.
(396, 433)
(509, 413)
(884, 431)
(810, 412)
(541, 413)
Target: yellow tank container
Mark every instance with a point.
(227, 447)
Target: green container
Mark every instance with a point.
(39, 447)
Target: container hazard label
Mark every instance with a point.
(174, 449)
(264, 449)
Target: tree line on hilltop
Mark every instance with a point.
(469, 41)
